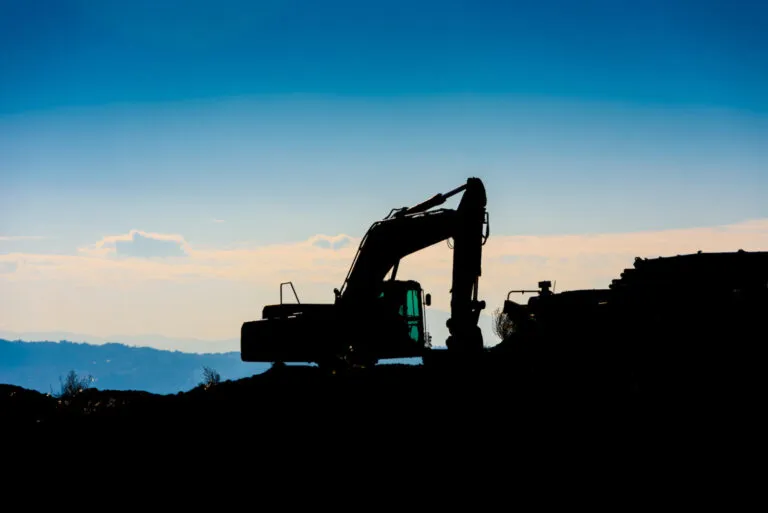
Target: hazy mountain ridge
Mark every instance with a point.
(40, 365)
(135, 365)
(435, 325)
(153, 340)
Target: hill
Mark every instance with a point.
(39, 366)
(411, 394)
(308, 407)
(494, 413)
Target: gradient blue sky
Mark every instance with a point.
(230, 123)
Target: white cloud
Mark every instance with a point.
(137, 243)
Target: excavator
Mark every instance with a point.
(374, 315)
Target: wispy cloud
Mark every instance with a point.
(574, 260)
(218, 220)
(21, 237)
(8, 267)
(326, 242)
(213, 290)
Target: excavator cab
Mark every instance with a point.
(403, 302)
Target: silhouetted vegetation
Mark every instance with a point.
(502, 324)
(210, 378)
(73, 385)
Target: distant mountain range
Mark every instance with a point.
(435, 319)
(42, 366)
(148, 363)
(187, 345)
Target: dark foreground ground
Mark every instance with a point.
(406, 400)
(393, 427)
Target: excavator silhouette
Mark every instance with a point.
(686, 323)
(375, 318)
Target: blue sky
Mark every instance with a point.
(226, 124)
(682, 52)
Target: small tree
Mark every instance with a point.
(74, 384)
(210, 377)
(502, 324)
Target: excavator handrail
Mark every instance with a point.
(294, 292)
(521, 291)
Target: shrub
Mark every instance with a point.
(502, 324)
(74, 384)
(210, 378)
